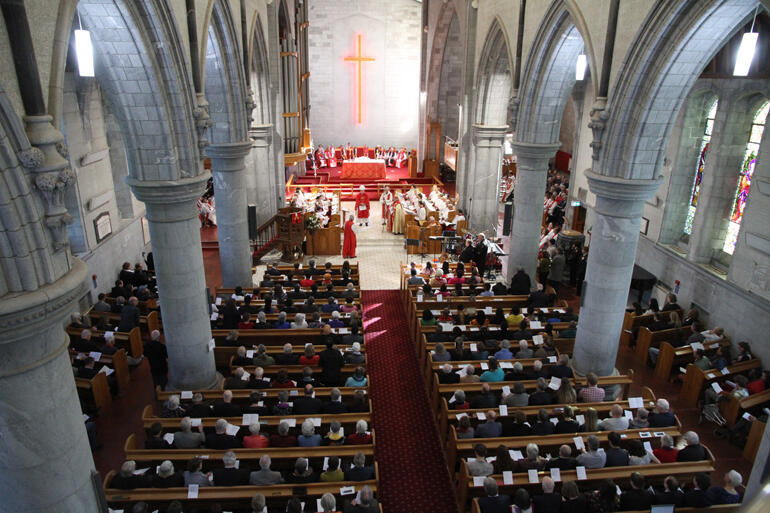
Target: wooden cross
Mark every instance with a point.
(359, 60)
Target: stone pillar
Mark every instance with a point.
(531, 175)
(264, 194)
(45, 459)
(618, 211)
(488, 153)
(176, 246)
(228, 168)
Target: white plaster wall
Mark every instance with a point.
(391, 34)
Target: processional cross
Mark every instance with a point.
(359, 60)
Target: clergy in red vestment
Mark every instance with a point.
(400, 157)
(362, 206)
(320, 158)
(349, 244)
(331, 160)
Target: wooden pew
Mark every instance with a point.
(621, 475)
(228, 496)
(463, 447)
(117, 362)
(733, 408)
(696, 379)
(223, 354)
(242, 395)
(754, 439)
(290, 268)
(171, 424)
(439, 390)
(269, 337)
(631, 322)
(144, 306)
(250, 456)
(448, 417)
(646, 339)
(97, 388)
(131, 341)
(147, 323)
(722, 508)
(670, 357)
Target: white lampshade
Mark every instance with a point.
(745, 54)
(85, 53)
(580, 68)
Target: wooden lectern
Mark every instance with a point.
(291, 232)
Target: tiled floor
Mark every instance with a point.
(379, 252)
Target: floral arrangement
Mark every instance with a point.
(312, 223)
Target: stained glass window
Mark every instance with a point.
(704, 149)
(744, 179)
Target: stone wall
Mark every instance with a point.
(391, 35)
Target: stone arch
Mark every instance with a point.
(141, 68)
(446, 18)
(494, 82)
(223, 81)
(549, 76)
(667, 56)
(259, 67)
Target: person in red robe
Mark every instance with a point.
(331, 160)
(362, 207)
(349, 243)
(401, 157)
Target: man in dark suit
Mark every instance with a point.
(671, 493)
(565, 461)
(616, 455)
(119, 290)
(661, 416)
(697, 497)
(87, 371)
(446, 376)
(493, 502)
(224, 407)
(231, 476)
(486, 399)
(541, 396)
(335, 404)
(85, 344)
(297, 293)
(235, 381)
(694, 451)
(129, 316)
(331, 361)
(637, 498)
(562, 369)
(287, 357)
(126, 480)
(221, 441)
(126, 274)
(549, 502)
(307, 405)
(359, 471)
(157, 355)
(521, 285)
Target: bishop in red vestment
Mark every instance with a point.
(362, 206)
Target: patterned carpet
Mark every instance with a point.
(413, 471)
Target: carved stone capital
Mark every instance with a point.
(31, 158)
(513, 108)
(250, 106)
(202, 123)
(599, 116)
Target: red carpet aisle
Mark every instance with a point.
(413, 471)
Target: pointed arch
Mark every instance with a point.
(143, 73)
(494, 80)
(549, 75)
(675, 43)
(224, 83)
(259, 67)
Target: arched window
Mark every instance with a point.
(704, 149)
(744, 179)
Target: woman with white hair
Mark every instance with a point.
(727, 494)
(308, 438)
(171, 408)
(361, 436)
(328, 502)
(281, 323)
(167, 477)
(299, 321)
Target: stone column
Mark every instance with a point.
(45, 459)
(176, 246)
(488, 152)
(264, 193)
(228, 168)
(618, 211)
(531, 175)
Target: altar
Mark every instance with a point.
(363, 168)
